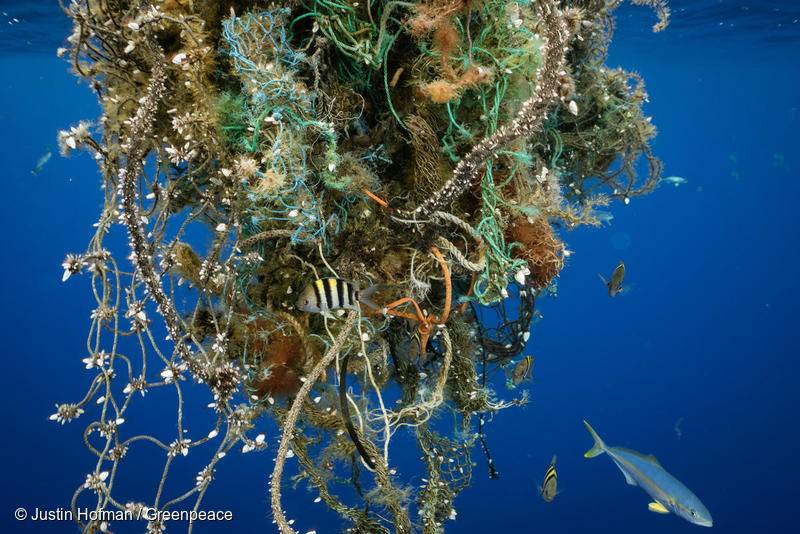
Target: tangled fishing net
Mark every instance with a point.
(436, 150)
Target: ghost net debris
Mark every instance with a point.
(433, 150)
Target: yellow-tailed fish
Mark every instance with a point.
(617, 278)
(549, 488)
(522, 371)
(330, 294)
(667, 492)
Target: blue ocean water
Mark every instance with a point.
(696, 364)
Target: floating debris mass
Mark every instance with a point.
(434, 151)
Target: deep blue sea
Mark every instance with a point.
(697, 363)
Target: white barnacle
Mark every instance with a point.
(520, 275)
(573, 107)
(97, 360)
(179, 446)
(542, 176)
(66, 413)
(72, 264)
(204, 477)
(96, 481)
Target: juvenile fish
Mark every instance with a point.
(41, 162)
(674, 180)
(667, 492)
(330, 294)
(522, 371)
(603, 216)
(617, 278)
(549, 488)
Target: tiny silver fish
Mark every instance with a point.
(549, 488)
(603, 216)
(41, 162)
(674, 180)
(330, 294)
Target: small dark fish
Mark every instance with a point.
(41, 162)
(617, 278)
(549, 488)
(331, 294)
(522, 371)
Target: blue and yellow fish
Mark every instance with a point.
(667, 492)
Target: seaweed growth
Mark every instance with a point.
(431, 150)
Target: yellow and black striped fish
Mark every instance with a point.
(330, 294)
(549, 488)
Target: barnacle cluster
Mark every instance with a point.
(435, 149)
